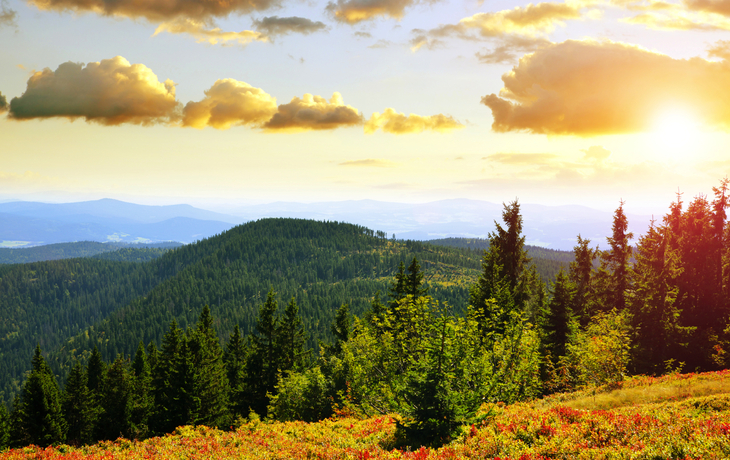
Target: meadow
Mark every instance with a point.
(677, 416)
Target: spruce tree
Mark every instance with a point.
(211, 380)
(41, 400)
(116, 402)
(263, 364)
(613, 279)
(78, 408)
(580, 274)
(142, 402)
(235, 357)
(5, 428)
(291, 339)
(559, 316)
(165, 383)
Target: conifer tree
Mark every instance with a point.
(42, 420)
(18, 432)
(559, 316)
(235, 357)
(613, 279)
(506, 276)
(211, 380)
(142, 402)
(414, 281)
(341, 327)
(166, 415)
(580, 274)
(95, 370)
(78, 407)
(263, 364)
(116, 402)
(291, 339)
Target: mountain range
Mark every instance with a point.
(25, 224)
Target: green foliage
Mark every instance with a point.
(5, 429)
(115, 419)
(301, 396)
(600, 354)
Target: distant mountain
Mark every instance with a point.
(32, 224)
(108, 251)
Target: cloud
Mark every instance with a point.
(229, 102)
(363, 35)
(528, 21)
(720, 50)
(314, 113)
(3, 104)
(680, 20)
(397, 123)
(8, 17)
(596, 153)
(274, 26)
(110, 92)
(509, 47)
(521, 158)
(721, 7)
(369, 162)
(159, 10)
(203, 34)
(354, 11)
(381, 44)
(590, 88)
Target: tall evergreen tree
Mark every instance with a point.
(211, 380)
(613, 281)
(41, 400)
(78, 407)
(116, 402)
(580, 274)
(507, 276)
(142, 402)
(235, 357)
(263, 364)
(414, 281)
(559, 316)
(95, 371)
(167, 415)
(291, 339)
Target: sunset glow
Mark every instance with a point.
(219, 104)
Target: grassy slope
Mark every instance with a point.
(676, 416)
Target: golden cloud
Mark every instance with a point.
(393, 122)
(590, 88)
(528, 21)
(314, 113)
(158, 10)
(203, 34)
(354, 11)
(509, 47)
(680, 20)
(369, 162)
(110, 92)
(596, 153)
(274, 26)
(8, 17)
(721, 7)
(229, 102)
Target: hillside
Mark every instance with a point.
(688, 421)
(68, 306)
(322, 264)
(124, 251)
(547, 261)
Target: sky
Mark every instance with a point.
(221, 103)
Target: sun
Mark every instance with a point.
(676, 132)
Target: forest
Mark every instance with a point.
(368, 327)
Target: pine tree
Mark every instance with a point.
(142, 402)
(613, 279)
(166, 415)
(95, 370)
(235, 358)
(263, 364)
(41, 400)
(506, 276)
(18, 431)
(78, 408)
(580, 274)
(116, 402)
(559, 316)
(414, 281)
(211, 380)
(291, 339)
(341, 327)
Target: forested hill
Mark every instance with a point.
(322, 264)
(547, 261)
(68, 306)
(115, 251)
